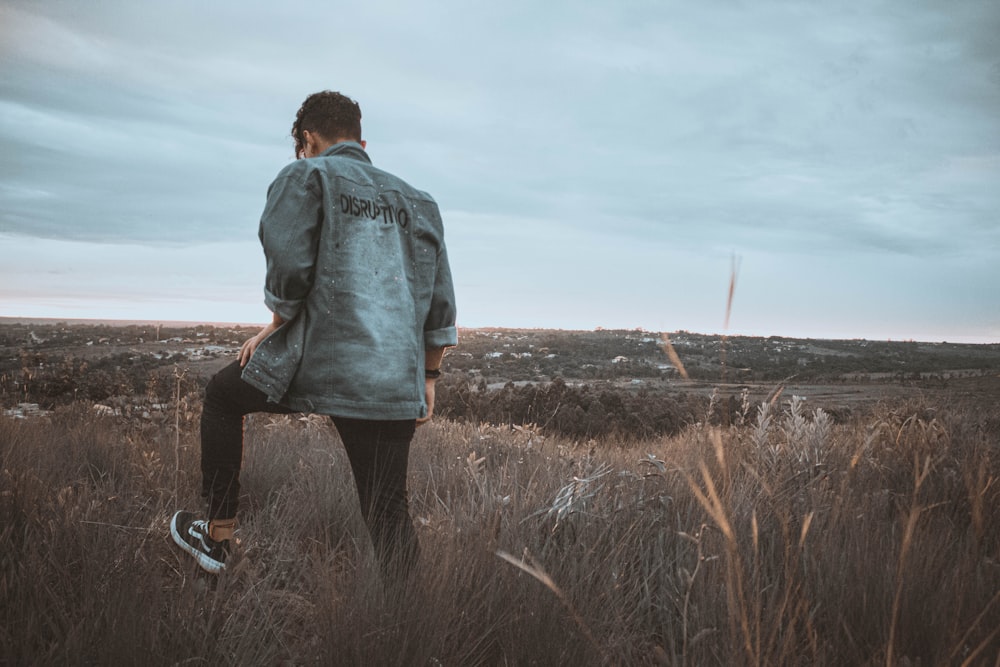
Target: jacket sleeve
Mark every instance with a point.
(439, 328)
(289, 232)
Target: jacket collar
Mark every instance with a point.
(351, 149)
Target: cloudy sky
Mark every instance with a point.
(597, 163)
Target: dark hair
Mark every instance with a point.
(331, 115)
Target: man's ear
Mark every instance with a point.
(364, 144)
(308, 139)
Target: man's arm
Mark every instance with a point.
(432, 362)
(289, 234)
(439, 328)
(433, 359)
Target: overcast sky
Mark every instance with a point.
(597, 163)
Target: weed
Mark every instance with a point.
(783, 538)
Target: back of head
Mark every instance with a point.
(333, 116)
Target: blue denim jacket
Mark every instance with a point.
(357, 268)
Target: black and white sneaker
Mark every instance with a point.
(191, 535)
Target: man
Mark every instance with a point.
(363, 308)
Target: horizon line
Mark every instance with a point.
(7, 319)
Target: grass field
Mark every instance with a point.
(783, 539)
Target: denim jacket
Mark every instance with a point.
(357, 268)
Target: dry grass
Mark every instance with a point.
(787, 540)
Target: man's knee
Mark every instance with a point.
(214, 387)
(226, 380)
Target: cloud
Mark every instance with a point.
(579, 136)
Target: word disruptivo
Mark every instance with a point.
(370, 208)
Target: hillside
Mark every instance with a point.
(577, 502)
(591, 382)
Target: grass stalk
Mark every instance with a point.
(920, 475)
(788, 567)
(538, 572)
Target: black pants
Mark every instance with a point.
(378, 452)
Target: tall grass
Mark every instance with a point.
(784, 540)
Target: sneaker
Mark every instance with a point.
(191, 535)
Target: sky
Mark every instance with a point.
(605, 164)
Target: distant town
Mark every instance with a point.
(137, 368)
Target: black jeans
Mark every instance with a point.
(378, 452)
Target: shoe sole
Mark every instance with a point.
(210, 565)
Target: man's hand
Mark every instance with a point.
(248, 347)
(429, 391)
(432, 361)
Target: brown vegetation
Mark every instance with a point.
(588, 521)
(787, 539)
